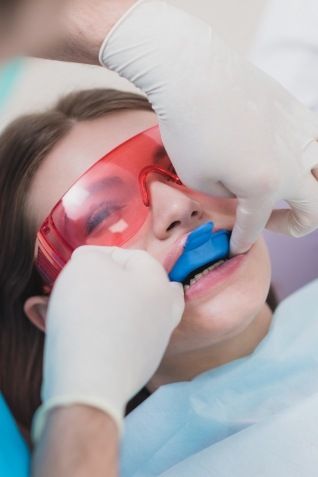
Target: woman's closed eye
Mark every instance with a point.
(101, 214)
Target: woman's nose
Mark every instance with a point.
(172, 210)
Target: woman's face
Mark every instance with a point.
(220, 305)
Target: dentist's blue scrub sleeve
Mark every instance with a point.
(256, 416)
(14, 453)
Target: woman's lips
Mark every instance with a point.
(174, 253)
(209, 281)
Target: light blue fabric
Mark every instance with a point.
(255, 416)
(14, 454)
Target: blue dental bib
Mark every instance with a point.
(203, 246)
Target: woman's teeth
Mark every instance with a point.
(197, 277)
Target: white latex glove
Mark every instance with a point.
(109, 321)
(228, 128)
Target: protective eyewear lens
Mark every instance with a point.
(107, 205)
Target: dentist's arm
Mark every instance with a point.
(77, 441)
(64, 30)
(109, 321)
(81, 29)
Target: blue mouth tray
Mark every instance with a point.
(203, 246)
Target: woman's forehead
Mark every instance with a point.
(85, 144)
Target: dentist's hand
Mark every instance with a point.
(228, 128)
(110, 318)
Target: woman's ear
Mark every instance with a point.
(35, 308)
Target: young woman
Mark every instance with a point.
(41, 156)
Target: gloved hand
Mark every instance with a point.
(109, 321)
(228, 128)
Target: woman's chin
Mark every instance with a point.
(211, 323)
(231, 303)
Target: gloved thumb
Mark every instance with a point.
(118, 255)
(178, 302)
(252, 215)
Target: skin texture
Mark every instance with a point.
(89, 446)
(84, 25)
(65, 30)
(226, 322)
(26, 24)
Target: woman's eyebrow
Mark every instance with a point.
(113, 181)
(104, 183)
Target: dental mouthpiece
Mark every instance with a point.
(202, 247)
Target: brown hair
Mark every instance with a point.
(23, 146)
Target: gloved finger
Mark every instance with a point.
(117, 255)
(177, 288)
(252, 215)
(90, 249)
(205, 184)
(310, 156)
(140, 261)
(302, 218)
(178, 303)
